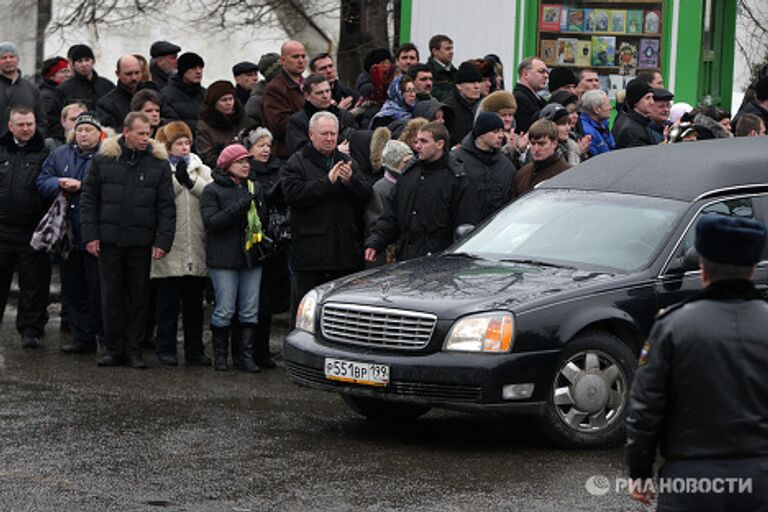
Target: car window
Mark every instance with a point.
(741, 207)
(602, 230)
(761, 214)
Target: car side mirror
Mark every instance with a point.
(685, 263)
(462, 231)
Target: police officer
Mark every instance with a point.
(701, 392)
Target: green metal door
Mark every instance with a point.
(717, 46)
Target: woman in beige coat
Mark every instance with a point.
(180, 277)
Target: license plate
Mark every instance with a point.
(356, 372)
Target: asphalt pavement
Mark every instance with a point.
(74, 437)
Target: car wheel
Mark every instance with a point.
(384, 410)
(587, 404)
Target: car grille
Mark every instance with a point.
(377, 327)
(434, 392)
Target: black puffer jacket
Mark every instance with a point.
(224, 206)
(183, 101)
(20, 93)
(492, 174)
(463, 114)
(128, 197)
(21, 205)
(701, 391)
(326, 218)
(77, 88)
(430, 200)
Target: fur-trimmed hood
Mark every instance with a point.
(714, 128)
(381, 136)
(112, 148)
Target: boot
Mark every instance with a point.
(261, 356)
(247, 342)
(220, 342)
(236, 349)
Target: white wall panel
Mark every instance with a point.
(476, 27)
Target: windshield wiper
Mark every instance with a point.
(465, 255)
(529, 261)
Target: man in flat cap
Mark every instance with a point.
(700, 393)
(246, 76)
(164, 61)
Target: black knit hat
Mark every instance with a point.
(375, 56)
(88, 117)
(636, 89)
(559, 77)
(468, 72)
(188, 61)
(269, 65)
(487, 122)
(80, 51)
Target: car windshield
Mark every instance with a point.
(586, 230)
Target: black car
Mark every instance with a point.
(542, 309)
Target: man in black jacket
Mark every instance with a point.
(700, 393)
(433, 196)
(492, 173)
(184, 95)
(115, 105)
(441, 65)
(22, 152)
(128, 217)
(84, 86)
(327, 196)
(344, 97)
(464, 101)
(15, 90)
(532, 77)
(758, 106)
(317, 95)
(632, 127)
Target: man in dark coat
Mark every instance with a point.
(492, 174)
(344, 97)
(183, 96)
(15, 90)
(464, 101)
(327, 197)
(317, 92)
(84, 86)
(283, 96)
(546, 163)
(433, 196)
(128, 218)
(700, 393)
(22, 152)
(164, 62)
(246, 76)
(758, 106)
(115, 105)
(441, 66)
(632, 128)
(532, 77)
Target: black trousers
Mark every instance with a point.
(34, 284)
(124, 273)
(303, 281)
(81, 294)
(752, 472)
(176, 294)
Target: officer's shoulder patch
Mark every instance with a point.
(663, 312)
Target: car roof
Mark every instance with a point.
(684, 171)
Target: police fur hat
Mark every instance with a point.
(496, 101)
(730, 240)
(172, 132)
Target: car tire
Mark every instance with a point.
(587, 403)
(376, 409)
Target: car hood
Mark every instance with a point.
(450, 286)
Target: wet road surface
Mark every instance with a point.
(74, 437)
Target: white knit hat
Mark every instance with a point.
(393, 154)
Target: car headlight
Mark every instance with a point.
(306, 314)
(486, 332)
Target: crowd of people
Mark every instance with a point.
(262, 187)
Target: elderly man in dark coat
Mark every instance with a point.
(327, 196)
